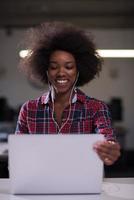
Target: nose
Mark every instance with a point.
(61, 70)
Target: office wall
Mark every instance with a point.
(116, 79)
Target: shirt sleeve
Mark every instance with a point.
(103, 122)
(22, 127)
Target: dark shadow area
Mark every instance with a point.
(7, 113)
(4, 167)
(124, 167)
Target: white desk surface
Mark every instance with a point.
(112, 189)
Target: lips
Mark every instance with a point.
(61, 81)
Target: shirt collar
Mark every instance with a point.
(78, 96)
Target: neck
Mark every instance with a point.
(62, 98)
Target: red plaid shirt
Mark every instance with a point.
(87, 115)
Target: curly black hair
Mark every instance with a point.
(50, 36)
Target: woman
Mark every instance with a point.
(65, 57)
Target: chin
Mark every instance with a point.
(63, 90)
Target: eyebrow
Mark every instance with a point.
(52, 61)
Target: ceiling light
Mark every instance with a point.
(117, 53)
(23, 53)
(105, 53)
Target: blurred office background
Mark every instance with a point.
(111, 23)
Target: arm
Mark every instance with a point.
(22, 127)
(108, 150)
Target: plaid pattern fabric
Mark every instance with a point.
(87, 115)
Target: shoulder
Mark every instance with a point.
(91, 102)
(33, 104)
(96, 103)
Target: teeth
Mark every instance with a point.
(61, 81)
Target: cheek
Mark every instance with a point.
(73, 75)
(51, 74)
(50, 78)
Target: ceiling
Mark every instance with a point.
(86, 13)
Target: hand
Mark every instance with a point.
(108, 151)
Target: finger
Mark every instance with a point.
(109, 150)
(110, 144)
(107, 147)
(106, 160)
(112, 156)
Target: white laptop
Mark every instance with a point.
(54, 164)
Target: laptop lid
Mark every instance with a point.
(54, 164)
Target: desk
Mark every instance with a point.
(112, 189)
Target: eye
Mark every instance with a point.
(53, 65)
(70, 65)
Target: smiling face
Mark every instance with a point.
(62, 71)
